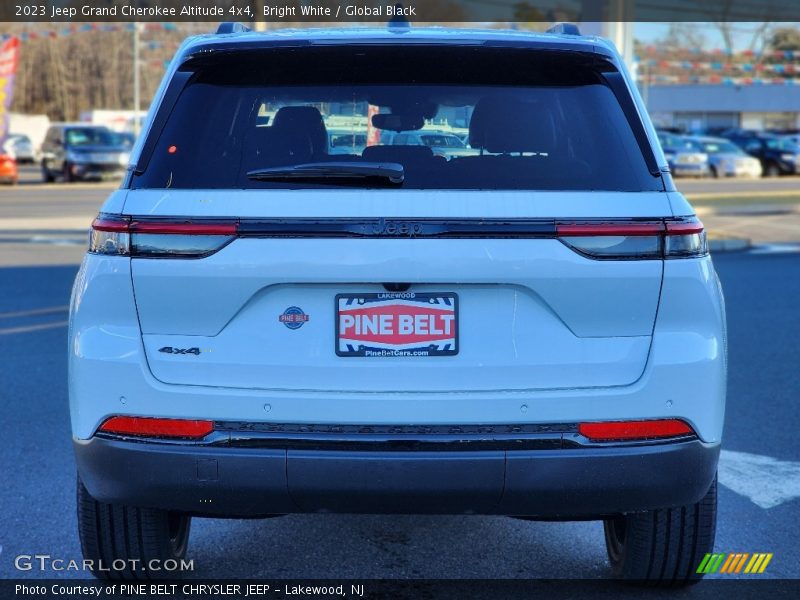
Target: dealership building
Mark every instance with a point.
(704, 106)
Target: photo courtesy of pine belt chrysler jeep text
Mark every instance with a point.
(523, 322)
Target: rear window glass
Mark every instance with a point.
(91, 136)
(458, 126)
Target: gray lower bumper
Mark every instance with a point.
(558, 483)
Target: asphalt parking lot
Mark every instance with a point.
(760, 470)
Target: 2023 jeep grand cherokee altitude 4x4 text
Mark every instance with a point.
(528, 326)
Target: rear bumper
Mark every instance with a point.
(97, 171)
(551, 479)
(690, 169)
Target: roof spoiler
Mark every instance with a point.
(231, 27)
(564, 29)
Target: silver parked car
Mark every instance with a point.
(20, 147)
(683, 156)
(726, 159)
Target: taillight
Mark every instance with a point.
(610, 431)
(153, 238)
(685, 238)
(155, 427)
(635, 239)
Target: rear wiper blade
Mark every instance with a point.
(394, 172)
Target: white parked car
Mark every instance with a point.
(20, 148)
(726, 159)
(260, 327)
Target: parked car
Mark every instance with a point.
(441, 143)
(8, 169)
(793, 138)
(684, 157)
(127, 138)
(260, 327)
(20, 148)
(778, 155)
(346, 141)
(78, 151)
(726, 159)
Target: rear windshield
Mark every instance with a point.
(91, 136)
(508, 122)
(721, 148)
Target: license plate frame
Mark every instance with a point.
(436, 308)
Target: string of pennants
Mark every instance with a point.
(716, 79)
(788, 68)
(694, 52)
(695, 66)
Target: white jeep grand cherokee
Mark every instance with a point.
(528, 326)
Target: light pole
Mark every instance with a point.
(136, 83)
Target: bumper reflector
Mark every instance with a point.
(634, 430)
(152, 427)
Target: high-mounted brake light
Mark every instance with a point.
(635, 240)
(151, 238)
(634, 430)
(155, 427)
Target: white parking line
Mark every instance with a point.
(35, 311)
(764, 480)
(775, 249)
(30, 328)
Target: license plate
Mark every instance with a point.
(392, 324)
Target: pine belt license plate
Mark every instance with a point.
(394, 324)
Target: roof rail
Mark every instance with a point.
(565, 28)
(231, 27)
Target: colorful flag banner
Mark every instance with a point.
(9, 59)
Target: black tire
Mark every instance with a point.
(713, 172)
(47, 176)
(663, 547)
(772, 170)
(67, 174)
(110, 532)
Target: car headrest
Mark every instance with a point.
(512, 125)
(402, 154)
(302, 122)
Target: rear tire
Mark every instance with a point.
(47, 177)
(663, 547)
(115, 532)
(772, 170)
(67, 174)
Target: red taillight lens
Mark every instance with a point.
(144, 238)
(635, 239)
(183, 228)
(634, 430)
(154, 427)
(609, 240)
(609, 229)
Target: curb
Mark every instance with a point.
(728, 244)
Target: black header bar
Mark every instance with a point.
(277, 13)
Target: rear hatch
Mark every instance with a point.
(270, 264)
(532, 313)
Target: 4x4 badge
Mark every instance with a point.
(171, 350)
